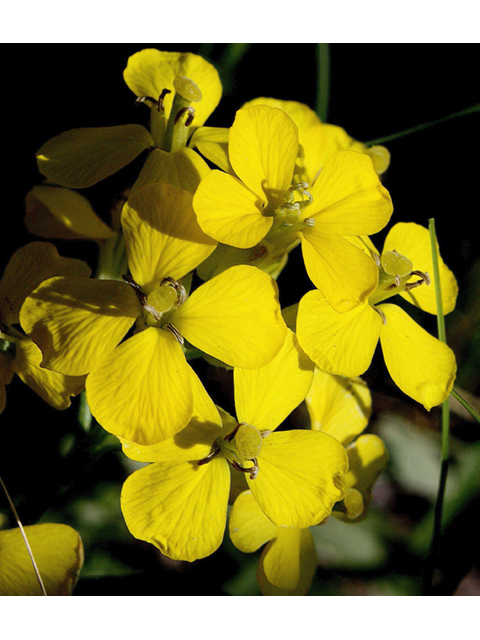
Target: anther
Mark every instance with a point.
(424, 279)
(252, 471)
(215, 451)
(142, 99)
(161, 99)
(310, 222)
(179, 288)
(189, 119)
(176, 333)
(138, 289)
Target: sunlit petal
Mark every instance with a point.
(300, 477)
(150, 71)
(235, 317)
(265, 397)
(339, 406)
(413, 241)
(344, 274)
(263, 148)
(142, 391)
(230, 212)
(179, 507)
(339, 343)
(183, 169)
(162, 235)
(420, 365)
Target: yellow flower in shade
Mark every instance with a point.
(263, 206)
(140, 389)
(343, 344)
(341, 408)
(179, 503)
(182, 90)
(58, 553)
(28, 267)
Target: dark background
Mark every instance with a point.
(376, 90)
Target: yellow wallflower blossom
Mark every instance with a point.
(182, 90)
(179, 503)
(321, 141)
(263, 205)
(343, 344)
(58, 553)
(28, 267)
(139, 389)
(339, 407)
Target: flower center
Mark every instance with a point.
(288, 215)
(158, 306)
(395, 273)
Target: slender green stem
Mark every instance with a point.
(445, 446)
(420, 127)
(323, 81)
(25, 539)
(466, 405)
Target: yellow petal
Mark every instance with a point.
(162, 235)
(413, 241)
(263, 148)
(249, 527)
(288, 563)
(339, 406)
(348, 197)
(142, 390)
(235, 317)
(77, 322)
(367, 457)
(28, 267)
(420, 365)
(230, 212)
(58, 553)
(54, 388)
(183, 169)
(192, 443)
(300, 477)
(265, 397)
(212, 142)
(345, 275)
(179, 507)
(339, 343)
(56, 212)
(80, 158)
(150, 71)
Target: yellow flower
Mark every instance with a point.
(179, 503)
(28, 267)
(341, 408)
(263, 206)
(140, 389)
(58, 553)
(170, 83)
(321, 141)
(343, 344)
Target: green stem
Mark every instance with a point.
(445, 446)
(420, 127)
(466, 405)
(323, 81)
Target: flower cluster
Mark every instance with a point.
(188, 269)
